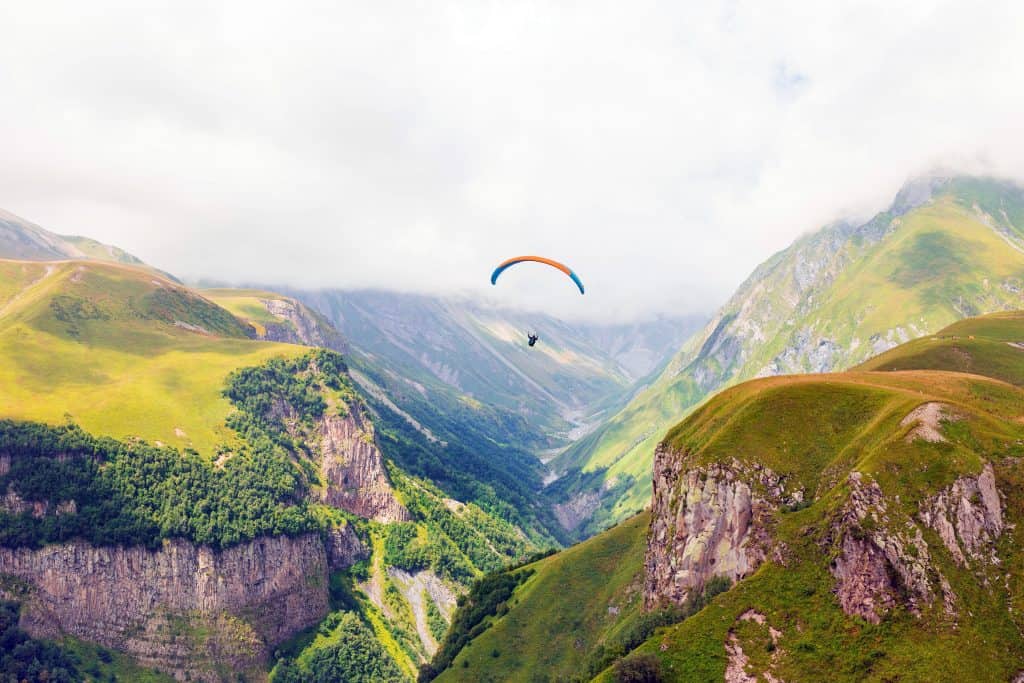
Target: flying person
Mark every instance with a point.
(505, 265)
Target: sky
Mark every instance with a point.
(662, 150)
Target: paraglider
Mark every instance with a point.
(532, 338)
(505, 265)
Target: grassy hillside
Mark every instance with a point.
(991, 345)
(124, 353)
(828, 302)
(572, 603)
(475, 452)
(814, 430)
(119, 351)
(245, 304)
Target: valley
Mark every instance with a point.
(278, 484)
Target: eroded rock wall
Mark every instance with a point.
(353, 468)
(706, 522)
(968, 517)
(186, 610)
(884, 561)
(300, 326)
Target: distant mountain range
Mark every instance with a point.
(576, 372)
(21, 239)
(947, 248)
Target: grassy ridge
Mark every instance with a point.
(817, 429)
(120, 352)
(245, 304)
(991, 345)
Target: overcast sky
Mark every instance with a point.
(663, 150)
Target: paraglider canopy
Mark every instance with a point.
(505, 265)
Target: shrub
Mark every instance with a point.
(645, 668)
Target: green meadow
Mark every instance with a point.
(119, 351)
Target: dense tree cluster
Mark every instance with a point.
(353, 655)
(136, 494)
(114, 493)
(25, 659)
(263, 391)
(642, 668)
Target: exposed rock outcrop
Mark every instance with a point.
(885, 562)
(417, 588)
(14, 504)
(706, 522)
(353, 468)
(927, 421)
(577, 509)
(736, 668)
(968, 517)
(186, 610)
(300, 325)
(879, 565)
(344, 548)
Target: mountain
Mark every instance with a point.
(862, 525)
(235, 506)
(474, 451)
(119, 351)
(20, 239)
(456, 347)
(947, 248)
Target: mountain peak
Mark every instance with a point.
(24, 240)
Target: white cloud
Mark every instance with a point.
(663, 150)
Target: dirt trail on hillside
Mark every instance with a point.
(14, 299)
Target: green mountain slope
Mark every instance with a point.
(100, 350)
(119, 351)
(990, 345)
(475, 452)
(569, 604)
(870, 519)
(946, 249)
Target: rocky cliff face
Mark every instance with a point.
(300, 325)
(706, 522)
(880, 563)
(884, 560)
(186, 610)
(344, 547)
(352, 468)
(968, 517)
(717, 520)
